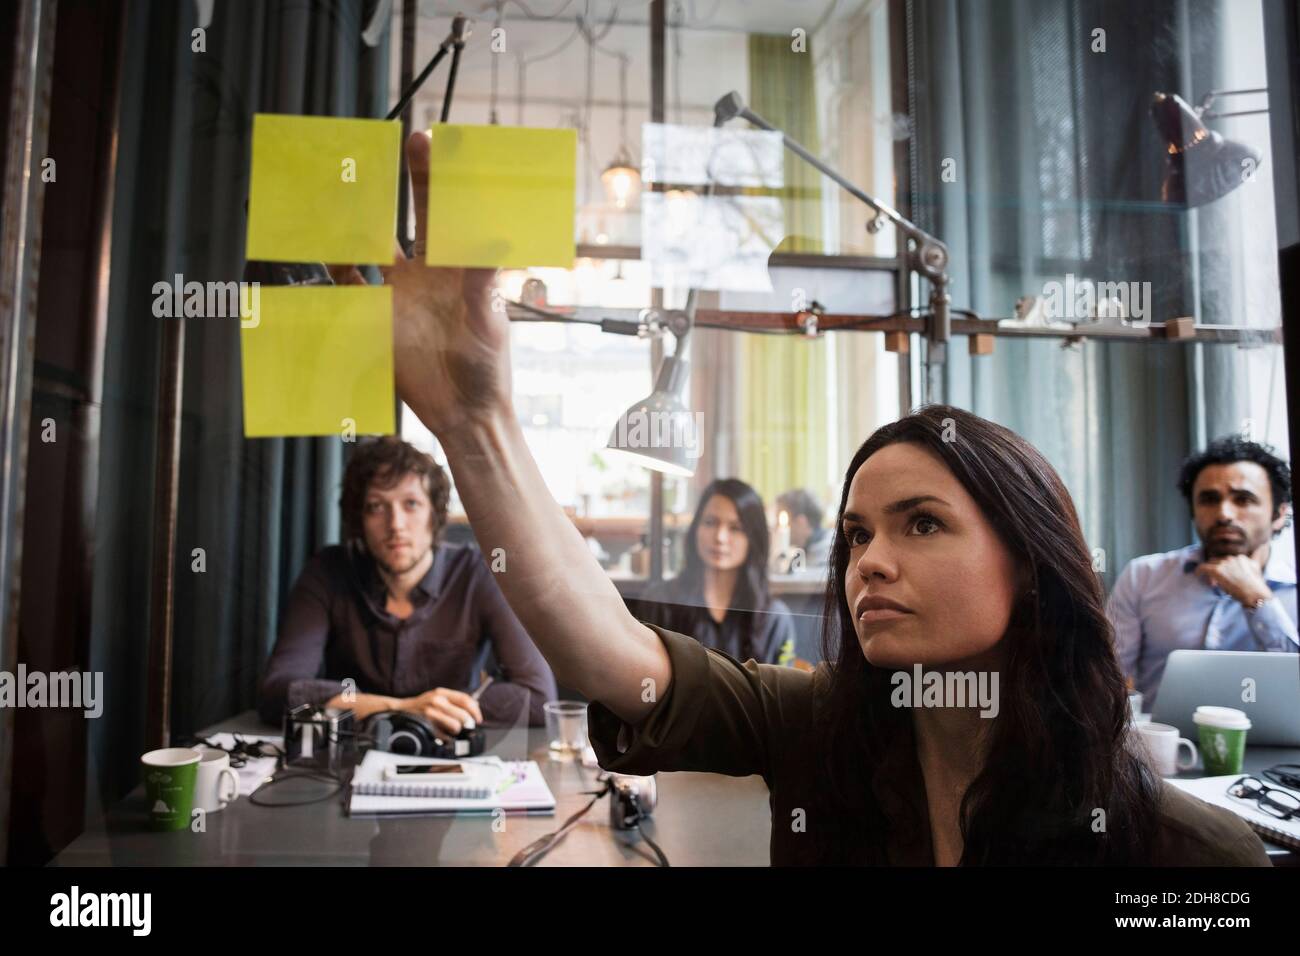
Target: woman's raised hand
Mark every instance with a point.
(451, 355)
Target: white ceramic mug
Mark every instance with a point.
(214, 770)
(1162, 745)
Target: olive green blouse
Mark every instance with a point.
(721, 716)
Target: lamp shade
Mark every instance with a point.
(1200, 164)
(622, 180)
(659, 432)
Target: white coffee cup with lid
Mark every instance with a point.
(1225, 718)
(1223, 738)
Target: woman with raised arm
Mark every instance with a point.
(971, 710)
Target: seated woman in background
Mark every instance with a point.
(721, 597)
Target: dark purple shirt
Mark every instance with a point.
(336, 627)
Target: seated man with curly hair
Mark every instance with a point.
(411, 621)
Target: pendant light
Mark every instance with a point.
(621, 178)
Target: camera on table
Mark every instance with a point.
(323, 737)
(631, 800)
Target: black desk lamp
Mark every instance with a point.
(926, 254)
(1200, 164)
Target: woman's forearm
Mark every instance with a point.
(559, 592)
(451, 365)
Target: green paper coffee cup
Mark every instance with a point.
(1223, 739)
(169, 777)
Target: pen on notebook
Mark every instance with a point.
(482, 686)
(485, 681)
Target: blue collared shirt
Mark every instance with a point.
(1159, 604)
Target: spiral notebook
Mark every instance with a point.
(1214, 791)
(512, 786)
(482, 782)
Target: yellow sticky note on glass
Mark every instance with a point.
(501, 196)
(323, 189)
(318, 360)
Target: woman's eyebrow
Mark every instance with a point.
(905, 504)
(898, 506)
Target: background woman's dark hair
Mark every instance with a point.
(751, 592)
(1057, 750)
(1229, 450)
(388, 460)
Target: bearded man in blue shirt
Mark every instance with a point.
(1235, 590)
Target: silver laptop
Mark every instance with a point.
(1218, 678)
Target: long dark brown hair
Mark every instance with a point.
(1056, 753)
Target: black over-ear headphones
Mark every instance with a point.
(402, 733)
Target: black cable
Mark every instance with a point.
(409, 93)
(544, 844)
(284, 773)
(640, 816)
(544, 315)
(282, 776)
(241, 751)
(663, 860)
(612, 326)
(451, 80)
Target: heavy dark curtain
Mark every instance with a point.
(257, 508)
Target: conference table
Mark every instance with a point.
(702, 820)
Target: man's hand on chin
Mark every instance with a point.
(1237, 575)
